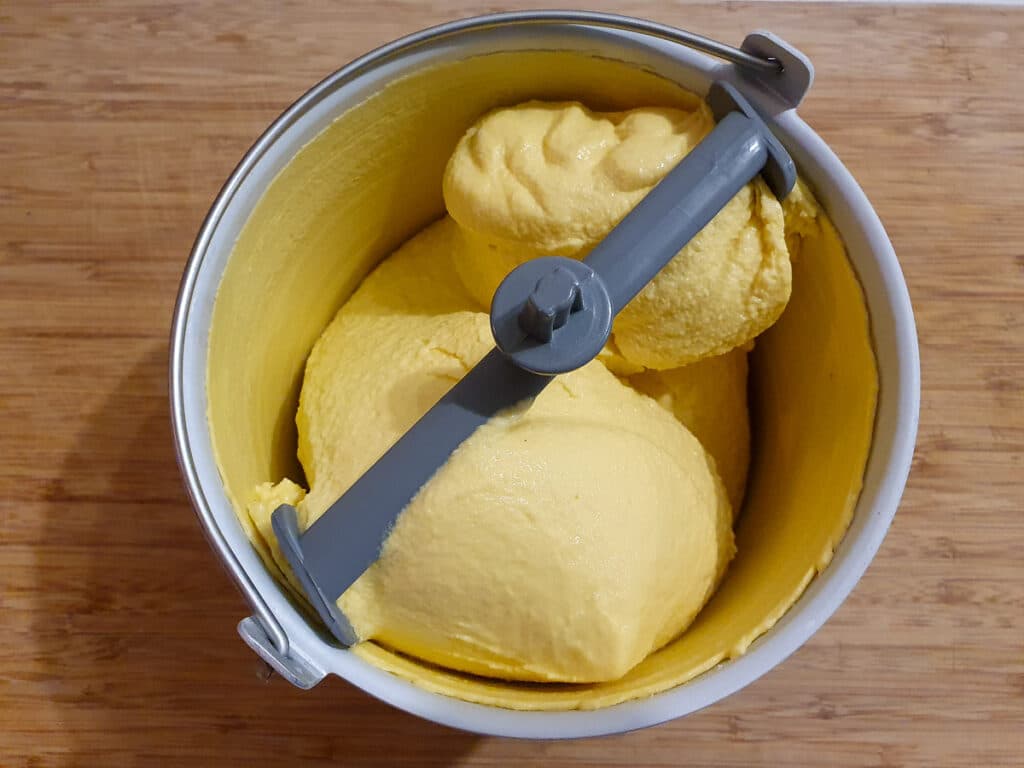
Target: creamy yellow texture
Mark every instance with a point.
(562, 542)
(358, 189)
(555, 178)
(710, 398)
(418, 279)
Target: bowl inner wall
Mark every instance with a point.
(371, 180)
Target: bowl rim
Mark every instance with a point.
(821, 599)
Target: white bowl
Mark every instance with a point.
(282, 634)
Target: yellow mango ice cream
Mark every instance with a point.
(710, 398)
(572, 536)
(547, 179)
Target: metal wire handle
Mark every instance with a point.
(609, 21)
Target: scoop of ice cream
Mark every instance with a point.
(709, 398)
(417, 279)
(563, 541)
(555, 178)
(553, 175)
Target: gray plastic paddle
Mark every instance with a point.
(549, 316)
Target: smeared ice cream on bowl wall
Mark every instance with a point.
(608, 556)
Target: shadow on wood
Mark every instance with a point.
(139, 640)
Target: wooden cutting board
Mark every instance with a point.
(118, 123)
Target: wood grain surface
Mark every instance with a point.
(119, 122)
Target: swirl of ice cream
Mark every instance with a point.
(555, 178)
